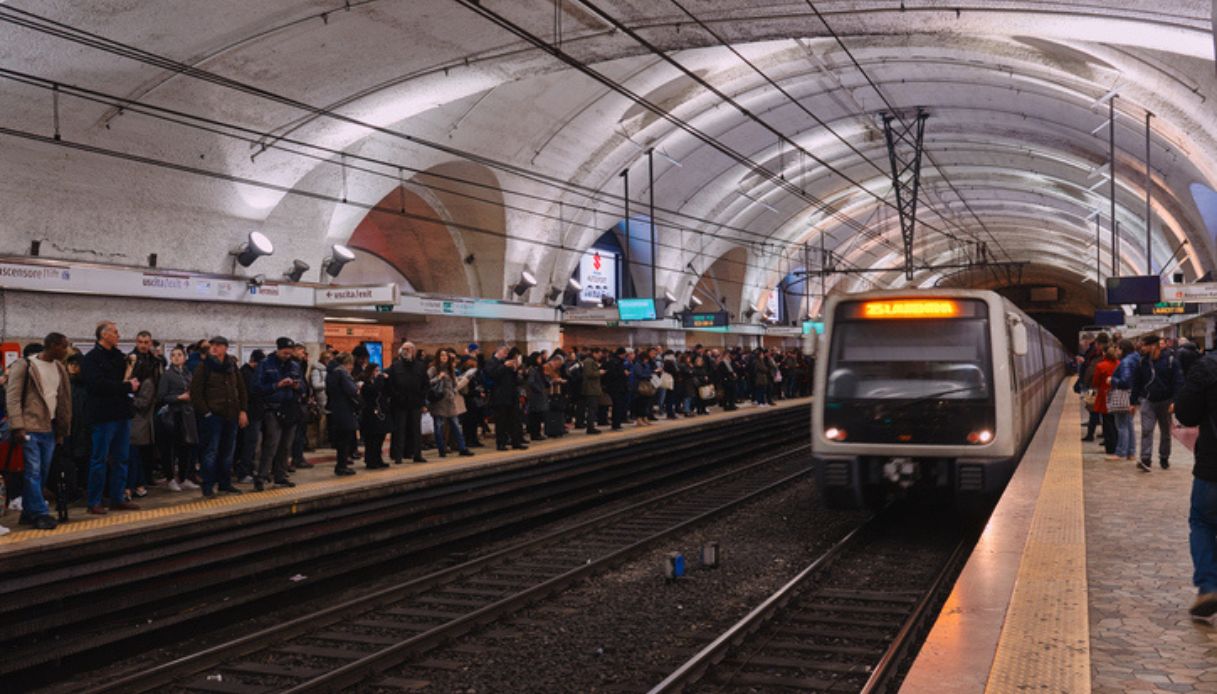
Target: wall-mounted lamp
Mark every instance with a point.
(339, 256)
(526, 282)
(750, 311)
(256, 247)
(299, 267)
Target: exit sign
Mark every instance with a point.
(384, 308)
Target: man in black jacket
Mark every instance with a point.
(504, 370)
(1196, 405)
(247, 441)
(616, 383)
(109, 411)
(408, 385)
(1158, 379)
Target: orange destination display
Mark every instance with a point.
(910, 308)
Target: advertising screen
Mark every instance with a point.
(597, 275)
(376, 353)
(707, 319)
(636, 309)
(1138, 289)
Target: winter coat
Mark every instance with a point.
(1103, 370)
(506, 391)
(374, 416)
(762, 371)
(615, 380)
(445, 406)
(254, 400)
(1196, 405)
(1125, 376)
(26, 404)
(591, 378)
(537, 384)
(81, 440)
(174, 382)
(285, 400)
(143, 420)
(642, 370)
(1161, 380)
(408, 384)
(343, 397)
(1188, 354)
(218, 389)
(109, 394)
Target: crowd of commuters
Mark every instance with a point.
(102, 426)
(1163, 380)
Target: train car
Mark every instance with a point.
(927, 390)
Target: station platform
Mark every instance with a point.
(1081, 580)
(163, 508)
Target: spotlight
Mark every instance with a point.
(527, 281)
(694, 301)
(668, 299)
(553, 293)
(299, 267)
(339, 256)
(572, 285)
(750, 311)
(256, 247)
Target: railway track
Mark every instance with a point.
(351, 644)
(846, 622)
(102, 601)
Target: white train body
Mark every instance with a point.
(935, 388)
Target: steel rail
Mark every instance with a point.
(354, 672)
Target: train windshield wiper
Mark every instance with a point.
(932, 396)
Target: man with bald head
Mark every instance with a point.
(408, 385)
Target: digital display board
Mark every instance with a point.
(1109, 317)
(708, 319)
(1138, 289)
(1167, 308)
(813, 326)
(636, 309)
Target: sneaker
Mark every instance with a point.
(245, 479)
(1165, 464)
(4, 531)
(174, 486)
(1144, 466)
(189, 486)
(1205, 608)
(284, 483)
(45, 523)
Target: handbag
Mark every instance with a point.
(645, 388)
(1119, 400)
(436, 392)
(706, 392)
(1089, 396)
(666, 382)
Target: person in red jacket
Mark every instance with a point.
(1103, 371)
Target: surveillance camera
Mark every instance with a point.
(257, 281)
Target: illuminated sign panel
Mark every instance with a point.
(636, 309)
(910, 308)
(712, 319)
(597, 276)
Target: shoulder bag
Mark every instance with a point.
(1119, 400)
(706, 392)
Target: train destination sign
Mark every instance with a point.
(708, 319)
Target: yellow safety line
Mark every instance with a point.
(1045, 640)
(272, 497)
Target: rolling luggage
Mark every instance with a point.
(555, 416)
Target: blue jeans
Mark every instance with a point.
(1124, 445)
(1202, 519)
(219, 439)
(441, 437)
(111, 440)
(38, 450)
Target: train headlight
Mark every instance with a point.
(980, 437)
(834, 434)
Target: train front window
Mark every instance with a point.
(908, 359)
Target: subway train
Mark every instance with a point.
(927, 392)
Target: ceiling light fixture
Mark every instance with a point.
(339, 256)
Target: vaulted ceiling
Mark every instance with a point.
(202, 121)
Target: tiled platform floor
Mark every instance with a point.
(1139, 573)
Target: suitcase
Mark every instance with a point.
(555, 416)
